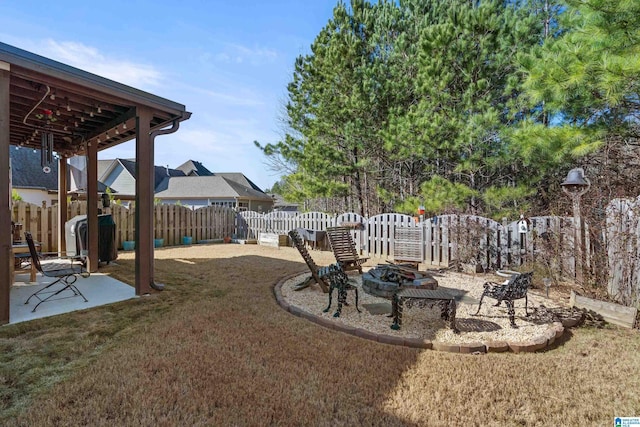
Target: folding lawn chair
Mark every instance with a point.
(64, 270)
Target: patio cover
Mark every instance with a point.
(84, 113)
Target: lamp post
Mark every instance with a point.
(575, 185)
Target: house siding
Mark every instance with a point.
(260, 205)
(253, 205)
(120, 180)
(36, 196)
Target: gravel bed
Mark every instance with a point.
(491, 324)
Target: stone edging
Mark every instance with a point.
(532, 345)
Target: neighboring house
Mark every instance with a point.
(30, 181)
(281, 205)
(35, 185)
(190, 184)
(120, 174)
(193, 168)
(199, 191)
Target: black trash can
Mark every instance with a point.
(107, 250)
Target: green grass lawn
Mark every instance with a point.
(214, 348)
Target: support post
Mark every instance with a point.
(62, 205)
(6, 256)
(144, 201)
(92, 205)
(579, 249)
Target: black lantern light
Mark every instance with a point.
(106, 200)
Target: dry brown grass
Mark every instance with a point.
(215, 349)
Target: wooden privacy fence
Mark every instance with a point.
(623, 250)
(171, 222)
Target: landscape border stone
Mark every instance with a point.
(498, 346)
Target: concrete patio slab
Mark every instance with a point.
(99, 289)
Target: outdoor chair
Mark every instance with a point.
(340, 281)
(64, 270)
(344, 249)
(515, 288)
(317, 273)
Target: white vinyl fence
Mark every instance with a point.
(445, 239)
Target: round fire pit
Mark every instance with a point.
(385, 280)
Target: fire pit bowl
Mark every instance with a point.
(385, 280)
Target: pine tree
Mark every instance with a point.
(466, 82)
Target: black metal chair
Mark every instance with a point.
(340, 281)
(515, 288)
(64, 270)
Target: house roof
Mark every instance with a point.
(203, 187)
(160, 172)
(102, 188)
(192, 167)
(26, 170)
(240, 179)
(129, 165)
(104, 166)
(280, 203)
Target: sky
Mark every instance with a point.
(228, 62)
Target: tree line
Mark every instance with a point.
(463, 106)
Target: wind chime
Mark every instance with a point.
(46, 141)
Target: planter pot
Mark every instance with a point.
(227, 239)
(157, 243)
(128, 245)
(187, 240)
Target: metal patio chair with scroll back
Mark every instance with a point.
(64, 270)
(515, 288)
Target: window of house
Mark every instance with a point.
(225, 204)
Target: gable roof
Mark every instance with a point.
(104, 167)
(192, 167)
(160, 172)
(279, 203)
(129, 165)
(203, 187)
(240, 179)
(26, 171)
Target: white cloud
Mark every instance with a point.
(92, 60)
(239, 54)
(240, 97)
